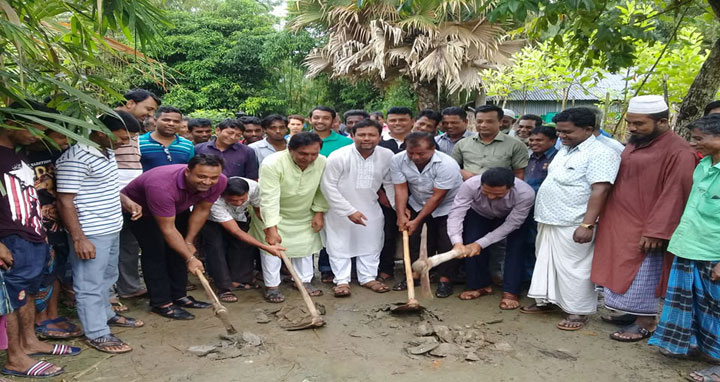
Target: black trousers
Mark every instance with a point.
(438, 241)
(164, 269)
(387, 255)
(228, 258)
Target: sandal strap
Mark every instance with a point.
(39, 368)
(107, 340)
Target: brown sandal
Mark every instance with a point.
(376, 286)
(509, 297)
(563, 325)
(342, 290)
(537, 309)
(480, 293)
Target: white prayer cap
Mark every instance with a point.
(509, 113)
(647, 104)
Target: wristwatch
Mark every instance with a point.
(588, 226)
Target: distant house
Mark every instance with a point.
(548, 102)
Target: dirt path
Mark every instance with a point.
(360, 344)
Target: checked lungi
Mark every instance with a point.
(691, 315)
(640, 298)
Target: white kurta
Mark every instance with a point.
(350, 184)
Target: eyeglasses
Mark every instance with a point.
(167, 154)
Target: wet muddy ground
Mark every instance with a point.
(466, 341)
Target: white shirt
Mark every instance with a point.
(442, 172)
(611, 143)
(563, 197)
(350, 184)
(221, 211)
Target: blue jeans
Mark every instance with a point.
(92, 280)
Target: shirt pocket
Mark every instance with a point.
(709, 206)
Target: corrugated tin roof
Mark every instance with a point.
(613, 83)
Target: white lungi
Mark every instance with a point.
(271, 268)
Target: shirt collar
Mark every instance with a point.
(585, 144)
(151, 139)
(499, 137)
(546, 154)
(213, 144)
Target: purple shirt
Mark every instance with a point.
(163, 192)
(513, 207)
(240, 160)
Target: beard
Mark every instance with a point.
(642, 140)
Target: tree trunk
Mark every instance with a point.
(426, 95)
(701, 92)
(480, 98)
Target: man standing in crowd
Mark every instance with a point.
(490, 147)
(167, 228)
(542, 142)
(690, 317)
(321, 119)
(275, 127)
(140, 103)
(89, 203)
(253, 129)
(507, 120)
(239, 160)
(426, 180)
(292, 208)
(525, 125)
(454, 120)
(228, 248)
(351, 117)
(163, 146)
(200, 129)
(427, 121)
(487, 209)
(640, 215)
(568, 204)
(23, 250)
(400, 123)
(296, 123)
(354, 222)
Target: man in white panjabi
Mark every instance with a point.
(567, 206)
(354, 222)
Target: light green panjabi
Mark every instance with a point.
(290, 197)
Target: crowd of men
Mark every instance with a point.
(564, 209)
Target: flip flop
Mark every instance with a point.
(537, 309)
(128, 323)
(228, 297)
(582, 321)
(481, 292)
(631, 329)
(706, 374)
(38, 370)
(59, 349)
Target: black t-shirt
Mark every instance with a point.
(43, 165)
(20, 212)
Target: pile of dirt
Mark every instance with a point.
(245, 344)
(471, 343)
(288, 316)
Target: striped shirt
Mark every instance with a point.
(154, 154)
(93, 177)
(128, 161)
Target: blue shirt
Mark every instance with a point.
(155, 154)
(537, 168)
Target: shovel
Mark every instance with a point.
(315, 320)
(412, 305)
(423, 266)
(220, 311)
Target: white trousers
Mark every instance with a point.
(271, 268)
(366, 267)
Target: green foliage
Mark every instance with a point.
(215, 115)
(399, 93)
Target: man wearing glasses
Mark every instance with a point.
(163, 146)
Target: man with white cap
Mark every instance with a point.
(508, 120)
(640, 215)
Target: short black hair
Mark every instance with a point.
(547, 131)
(378, 114)
(498, 177)
(356, 113)
(197, 122)
(230, 123)
(126, 121)
(455, 110)
(413, 139)
(205, 160)
(250, 120)
(710, 106)
(366, 123)
(709, 124)
(267, 121)
(34, 105)
(167, 109)
(431, 114)
(303, 138)
(399, 110)
(579, 116)
(532, 117)
(139, 95)
(236, 186)
(490, 109)
(325, 109)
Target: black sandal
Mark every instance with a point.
(274, 296)
(125, 322)
(631, 329)
(108, 341)
(191, 302)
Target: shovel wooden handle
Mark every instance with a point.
(434, 261)
(299, 284)
(408, 268)
(208, 290)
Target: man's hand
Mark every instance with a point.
(715, 276)
(403, 221)
(318, 221)
(132, 208)
(466, 174)
(413, 225)
(358, 218)
(652, 244)
(272, 237)
(6, 257)
(582, 235)
(274, 250)
(460, 248)
(472, 249)
(383, 199)
(84, 249)
(194, 264)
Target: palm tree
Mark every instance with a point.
(438, 44)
